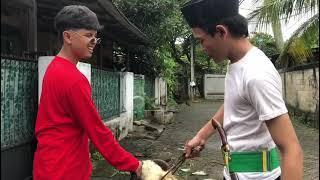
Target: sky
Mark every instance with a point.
(287, 28)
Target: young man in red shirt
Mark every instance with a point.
(67, 117)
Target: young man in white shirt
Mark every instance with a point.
(254, 114)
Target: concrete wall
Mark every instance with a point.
(160, 88)
(43, 63)
(301, 88)
(85, 69)
(157, 91)
(120, 126)
(163, 92)
(213, 86)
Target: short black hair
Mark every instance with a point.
(76, 17)
(237, 26)
(207, 14)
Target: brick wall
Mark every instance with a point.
(301, 91)
(301, 88)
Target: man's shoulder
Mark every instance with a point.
(258, 57)
(63, 74)
(259, 65)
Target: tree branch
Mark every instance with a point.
(175, 53)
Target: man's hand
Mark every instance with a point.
(196, 144)
(193, 147)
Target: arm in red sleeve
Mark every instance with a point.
(83, 110)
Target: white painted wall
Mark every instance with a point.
(214, 86)
(85, 69)
(157, 91)
(43, 63)
(160, 88)
(163, 92)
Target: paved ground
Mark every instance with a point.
(187, 122)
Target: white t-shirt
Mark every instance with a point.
(253, 94)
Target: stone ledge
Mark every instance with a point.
(159, 116)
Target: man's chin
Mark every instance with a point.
(87, 56)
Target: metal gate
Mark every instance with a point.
(19, 89)
(106, 92)
(214, 86)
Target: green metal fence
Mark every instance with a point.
(106, 92)
(19, 89)
(138, 97)
(149, 86)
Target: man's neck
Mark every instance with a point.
(239, 49)
(64, 53)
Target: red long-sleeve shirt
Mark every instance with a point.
(67, 117)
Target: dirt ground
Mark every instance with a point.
(187, 122)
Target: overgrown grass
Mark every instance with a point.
(172, 103)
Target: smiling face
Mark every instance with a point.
(215, 46)
(81, 42)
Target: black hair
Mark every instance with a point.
(237, 26)
(207, 14)
(75, 17)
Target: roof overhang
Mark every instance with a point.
(116, 26)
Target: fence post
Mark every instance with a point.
(43, 63)
(128, 97)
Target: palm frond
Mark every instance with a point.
(282, 9)
(299, 8)
(298, 46)
(303, 6)
(270, 11)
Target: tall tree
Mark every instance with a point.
(169, 36)
(273, 11)
(163, 23)
(267, 14)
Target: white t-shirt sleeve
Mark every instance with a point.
(265, 94)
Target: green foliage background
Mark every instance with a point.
(265, 42)
(170, 37)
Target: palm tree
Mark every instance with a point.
(268, 13)
(299, 46)
(273, 11)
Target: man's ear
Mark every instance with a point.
(66, 37)
(222, 31)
